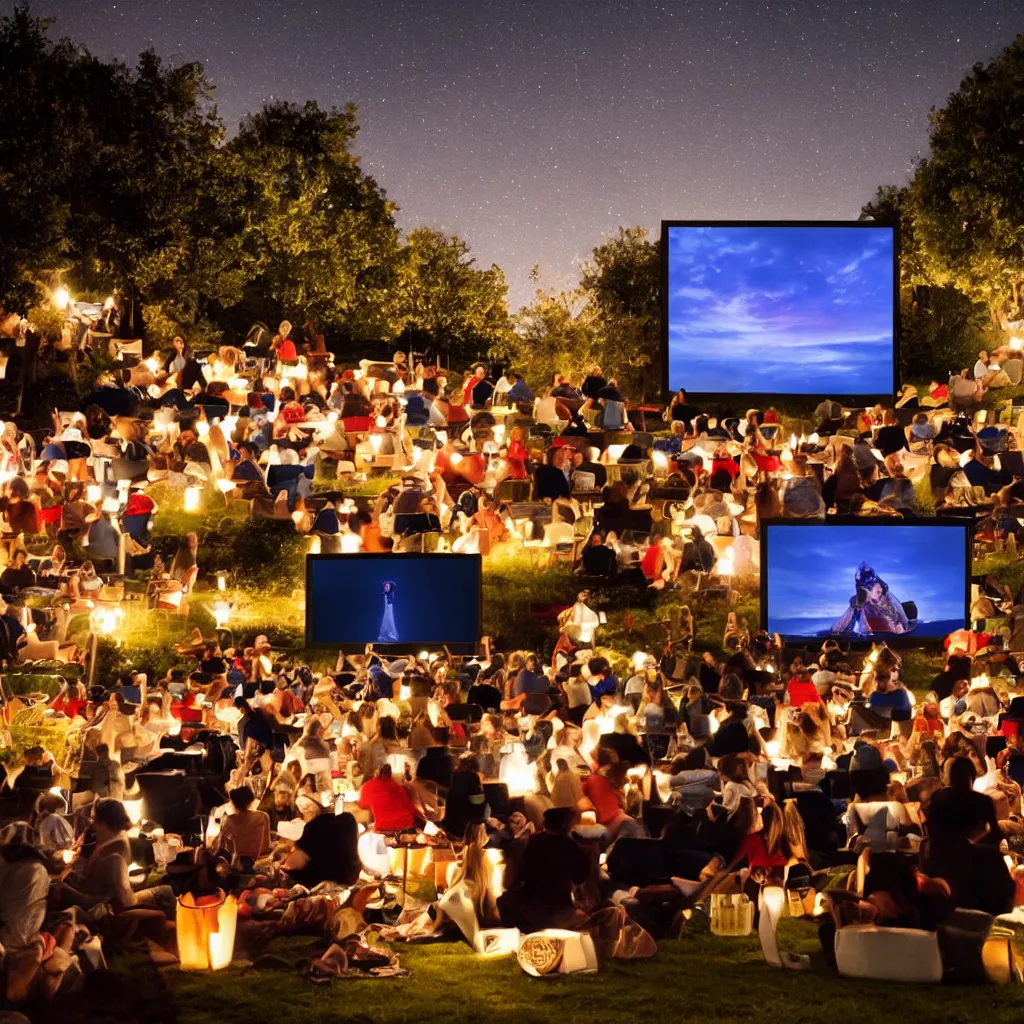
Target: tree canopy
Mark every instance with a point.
(968, 193)
(120, 178)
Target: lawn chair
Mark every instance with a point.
(173, 597)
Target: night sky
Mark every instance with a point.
(794, 310)
(811, 571)
(534, 128)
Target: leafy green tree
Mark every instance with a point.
(968, 209)
(319, 233)
(553, 334)
(941, 329)
(114, 179)
(622, 280)
(42, 146)
(443, 302)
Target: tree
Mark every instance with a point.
(941, 329)
(113, 179)
(553, 334)
(623, 281)
(320, 233)
(42, 146)
(968, 210)
(444, 302)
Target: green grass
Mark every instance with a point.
(699, 979)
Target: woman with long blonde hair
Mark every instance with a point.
(476, 872)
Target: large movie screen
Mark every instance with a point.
(780, 309)
(864, 581)
(397, 601)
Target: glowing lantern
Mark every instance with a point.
(105, 620)
(206, 931)
(373, 853)
(61, 298)
(496, 862)
(192, 499)
(221, 613)
(135, 810)
(517, 773)
(222, 579)
(313, 544)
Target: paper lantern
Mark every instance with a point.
(135, 810)
(517, 773)
(732, 914)
(192, 499)
(419, 859)
(373, 853)
(206, 931)
(555, 951)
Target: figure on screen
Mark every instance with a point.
(388, 633)
(873, 608)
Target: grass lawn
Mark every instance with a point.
(696, 979)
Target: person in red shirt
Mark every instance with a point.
(388, 801)
(604, 796)
(767, 852)
(282, 345)
(516, 455)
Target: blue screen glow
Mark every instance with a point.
(781, 310)
(812, 578)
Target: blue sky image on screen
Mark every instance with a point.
(786, 310)
(811, 574)
(436, 599)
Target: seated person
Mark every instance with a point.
(549, 480)
(698, 554)
(245, 833)
(540, 889)
(962, 847)
(325, 852)
(598, 558)
(388, 801)
(18, 574)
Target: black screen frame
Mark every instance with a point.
(462, 647)
(910, 639)
(767, 397)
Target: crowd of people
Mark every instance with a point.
(541, 789)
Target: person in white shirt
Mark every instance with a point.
(981, 366)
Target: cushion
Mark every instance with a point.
(888, 954)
